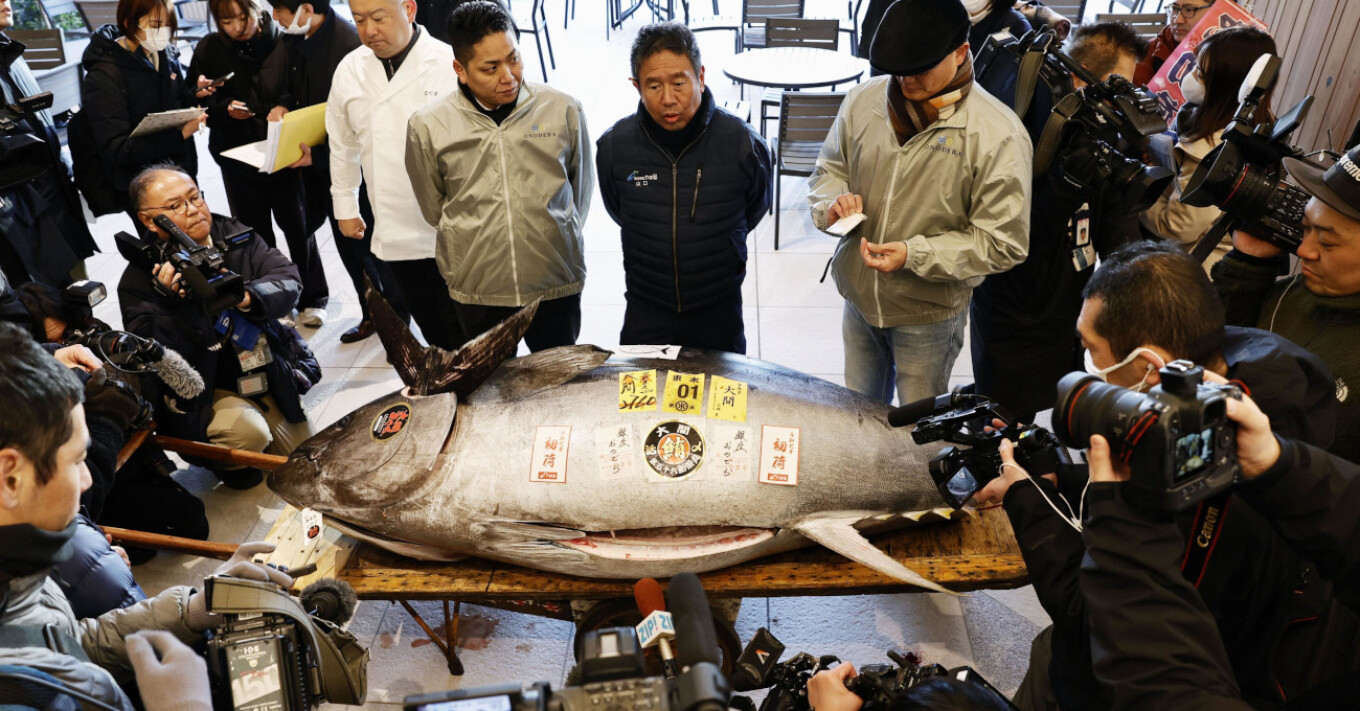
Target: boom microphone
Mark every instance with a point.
(911, 412)
(330, 599)
(657, 627)
(701, 685)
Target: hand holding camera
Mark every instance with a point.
(170, 675)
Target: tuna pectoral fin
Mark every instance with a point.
(836, 530)
(428, 370)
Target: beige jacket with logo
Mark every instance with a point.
(957, 194)
(509, 201)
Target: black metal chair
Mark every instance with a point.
(805, 120)
(536, 24)
(751, 32)
(795, 32)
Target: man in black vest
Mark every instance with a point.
(687, 182)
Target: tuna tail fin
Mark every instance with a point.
(836, 530)
(428, 370)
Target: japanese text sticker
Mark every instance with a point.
(684, 393)
(732, 449)
(549, 463)
(637, 391)
(616, 449)
(779, 455)
(727, 400)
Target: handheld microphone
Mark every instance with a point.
(701, 685)
(911, 412)
(657, 627)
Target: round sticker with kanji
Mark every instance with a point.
(673, 449)
(391, 422)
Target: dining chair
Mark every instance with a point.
(795, 32)
(194, 20)
(805, 119)
(43, 49)
(751, 33)
(536, 24)
(97, 13)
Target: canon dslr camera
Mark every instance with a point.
(1177, 438)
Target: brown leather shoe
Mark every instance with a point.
(358, 333)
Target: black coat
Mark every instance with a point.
(311, 63)
(258, 67)
(684, 224)
(120, 88)
(180, 324)
(1250, 571)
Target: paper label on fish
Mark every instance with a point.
(616, 449)
(733, 447)
(727, 400)
(684, 393)
(674, 450)
(779, 455)
(637, 391)
(549, 463)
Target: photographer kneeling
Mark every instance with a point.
(43, 447)
(256, 369)
(1149, 304)
(1131, 576)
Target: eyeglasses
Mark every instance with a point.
(1186, 11)
(179, 207)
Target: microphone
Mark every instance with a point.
(657, 627)
(701, 685)
(135, 354)
(911, 412)
(330, 599)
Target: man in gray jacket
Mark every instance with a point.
(502, 169)
(941, 171)
(43, 442)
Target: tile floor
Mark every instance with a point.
(791, 318)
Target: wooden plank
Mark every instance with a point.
(978, 552)
(1338, 83)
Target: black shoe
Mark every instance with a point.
(240, 479)
(358, 333)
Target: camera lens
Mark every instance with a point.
(1087, 406)
(1138, 185)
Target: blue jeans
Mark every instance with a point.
(917, 358)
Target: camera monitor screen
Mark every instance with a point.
(482, 703)
(959, 488)
(1194, 452)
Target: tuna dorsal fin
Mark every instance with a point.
(428, 370)
(836, 530)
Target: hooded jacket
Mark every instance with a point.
(957, 193)
(684, 218)
(119, 90)
(509, 201)
(181, 325)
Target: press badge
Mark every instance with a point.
(252, 384)
(1083, 254)
(257, 357)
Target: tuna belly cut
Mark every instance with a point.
(668, 543)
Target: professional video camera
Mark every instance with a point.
(23, 156)
(612, 676)
(200, 266)
(877, 684)
(278, 653)
(1177, 438)
(980, 423)
(1091, 132)
(1243, 176)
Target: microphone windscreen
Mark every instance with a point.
(647, 593)
(696, 640)
(911, 412)
(179, 375)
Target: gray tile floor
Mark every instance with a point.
(791, 318)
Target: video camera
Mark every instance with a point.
(1090, 132)
(23, 156)
(283, 654)
(201, 266)
(1177, 438)
(1243, 176)
(969, 419)
(879, 685)
(612, 676)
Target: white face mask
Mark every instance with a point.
(977, 9)
(298, 27)
(155, 39)
(1192, 89)
(1103, 373)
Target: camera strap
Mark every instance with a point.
(1204, 536)
(1206, 244)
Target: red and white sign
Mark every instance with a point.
(779, 455)
(1166, 84)
(549, 463)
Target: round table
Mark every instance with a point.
(794, 67)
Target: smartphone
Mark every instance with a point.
(221, 80)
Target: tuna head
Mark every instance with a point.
(378, 455)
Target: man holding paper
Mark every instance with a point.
(941, 171)
(375, 90)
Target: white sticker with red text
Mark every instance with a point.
(549, 463)
(779, 455)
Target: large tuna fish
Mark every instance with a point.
(584, 462)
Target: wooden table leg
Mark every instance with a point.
(450, 653)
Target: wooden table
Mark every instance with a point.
(794, 67)
(975, 553)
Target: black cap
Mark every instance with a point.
(916, 35)
(1338, 186)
